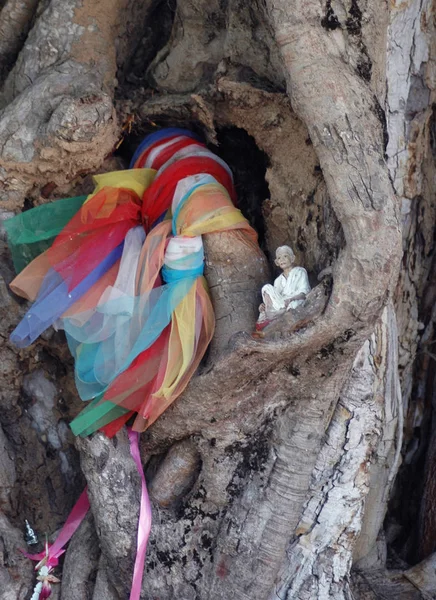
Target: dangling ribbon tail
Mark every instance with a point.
(50, 556)
(144, 525)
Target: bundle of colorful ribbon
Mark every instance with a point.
(121, 271)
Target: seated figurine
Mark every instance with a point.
(289, 289)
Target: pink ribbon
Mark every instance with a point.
(55, 550)
(144, 525)
(72, 523)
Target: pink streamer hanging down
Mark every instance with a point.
(56, 549)
(79, 511)
(144, 525)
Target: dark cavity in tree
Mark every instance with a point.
(248, 164)
(381, 116)
(364, 66)
(28, 204)
(412, 499)
(156, 33)
(354, 21)
(404, 506)
(330, 21)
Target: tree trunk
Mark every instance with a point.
(270, 477)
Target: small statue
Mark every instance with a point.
(289, 289)
(30, 536)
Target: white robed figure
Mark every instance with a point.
(289, 289)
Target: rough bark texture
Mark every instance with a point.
(235, 275)
(271, 475)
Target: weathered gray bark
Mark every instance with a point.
(259, 472)
(15, 18)
(235, 275)
(81, 563)
(58, 118)
(318, 561)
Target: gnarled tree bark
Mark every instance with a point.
(285, 446)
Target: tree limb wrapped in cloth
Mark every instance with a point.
(122, 273)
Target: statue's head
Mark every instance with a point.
(285, 257)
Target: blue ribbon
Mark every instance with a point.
(54, 299)
(160, 135)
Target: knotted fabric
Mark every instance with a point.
(121, 271)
